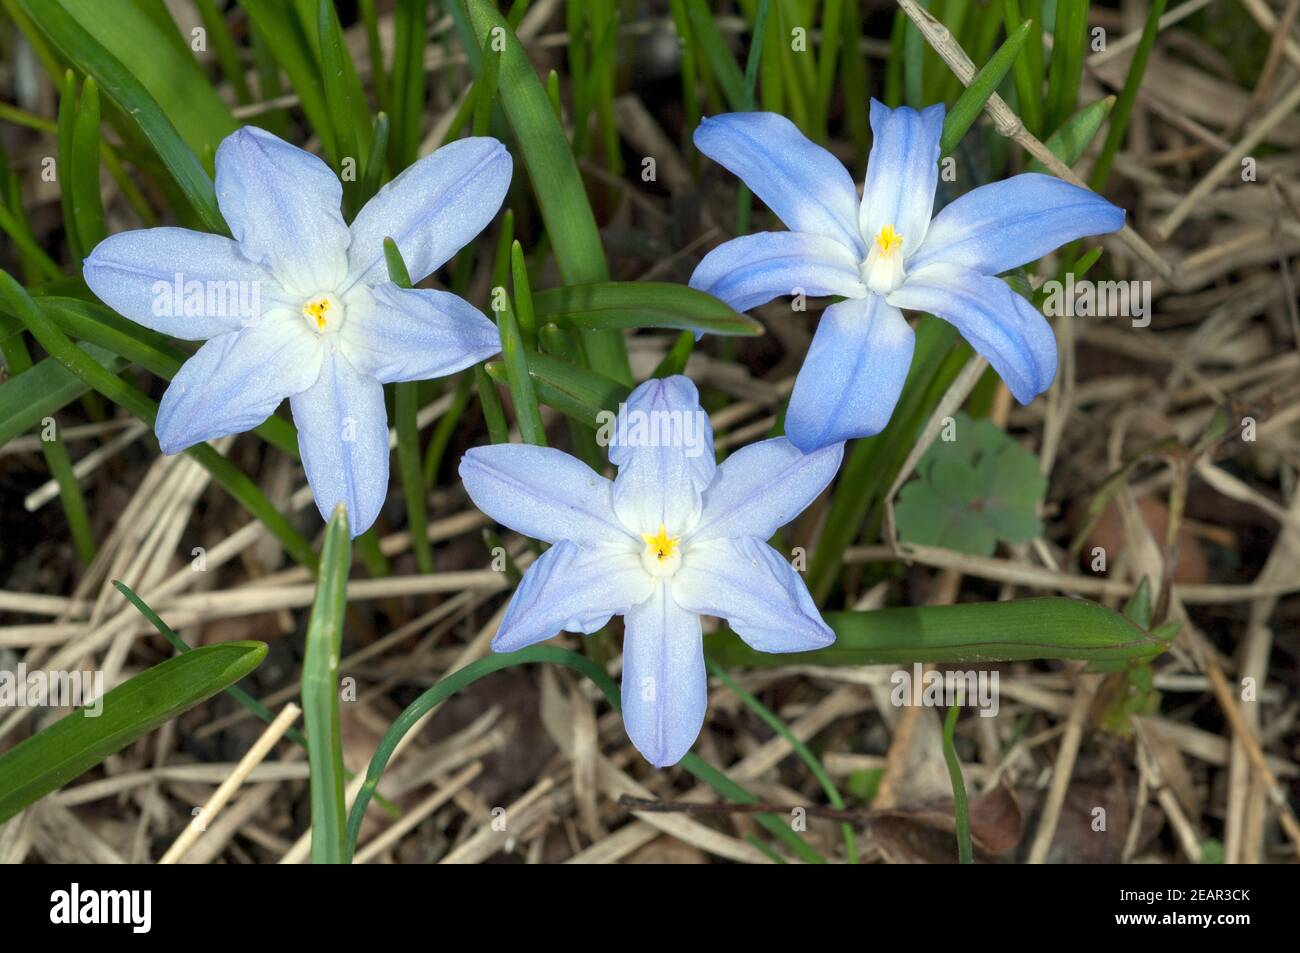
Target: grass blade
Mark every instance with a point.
(72, 746)
(320, 693)
(1052, 627)
(87, 205)
(1029, 85)
(1068, 142)
(1127, 97)
(570, 223)
(1066, 70)
(406, 405)
(136, 102)
(961, 809)
(640, 304)
(971, 102)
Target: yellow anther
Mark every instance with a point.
(661, 545)
(889, 240)
(315, 310)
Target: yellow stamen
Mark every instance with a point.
(660, 544)
(889, 240)
(315, 310)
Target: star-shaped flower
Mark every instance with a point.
(885, 253)
(299, 304)
(673, 537)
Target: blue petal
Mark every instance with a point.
(902, 172)
(854, 372)
(431, 210)
(185, 284)
(1003, 225)
(283, 207)
(753, 269)
(763, 486)
(234, 381)
(807, 187)
(1002, 326)
(398, 334)
(662, 443)
(571, 589)
(543, 493)
(343, 440)
(748, 583)
(665, 688)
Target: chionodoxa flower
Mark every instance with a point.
(674, 536)
(299, 304)
(885, 253)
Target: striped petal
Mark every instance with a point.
(854, 372)
(753, 269)
(807, 187)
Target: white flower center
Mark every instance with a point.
(882, 272)
(662, 555)
(324, 313)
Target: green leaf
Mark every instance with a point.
(82, 176)
(27, 398)
(1029, 84)
(674, 362)
(557, 185)
(92, 322)
(514, 359)
(170, 74)
(320, 692)
(1138, 607)
(526, 311)
(1068, 142)
(585, 389)
(1051, 627)
(971, 102)
(72, 746)
(972, 491)
(175, 79)
(640, 304)
(961, 809)
(67, 123)
(276, 23)
(223, 44)
(407, 106)
(705, 32)
(1064, 74)
(344, 98)
(1127, 96)
(406, 406)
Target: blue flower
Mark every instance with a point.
(885, 253)
(674, 536)
(299, 304)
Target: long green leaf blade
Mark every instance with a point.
(561, 196)
(67, 749)
(1052, 627)
(320, 692)
(640, 304)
